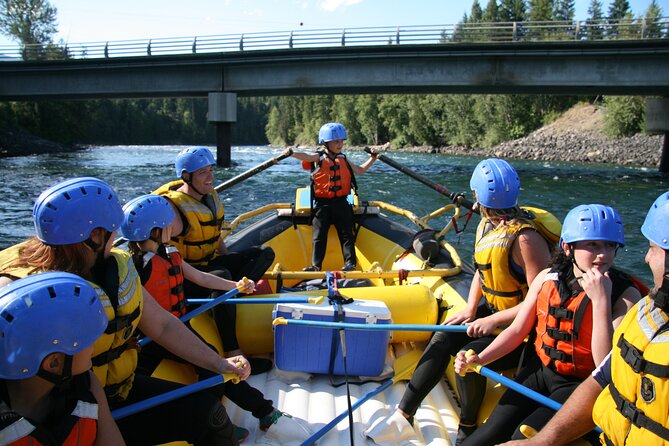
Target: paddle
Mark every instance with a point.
(265, 300)
(252, 171)
(211, 304)
(403, 366)
(457, 198)
(233, 181)
(173, 394)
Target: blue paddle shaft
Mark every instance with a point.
(190, 315)
(328, 427)
(166, 397)
(379, 327)
(259, 300)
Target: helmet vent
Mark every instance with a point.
(8, 317)
(77, 291)
(52, 292)
(51, 206)
(67, 196)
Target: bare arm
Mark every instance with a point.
(572, 421)
(627, 300)
(359, 170)
(108, 432)
(473, 299)
(309, 157)
(213, 282)
(168, 331)
(511, 337)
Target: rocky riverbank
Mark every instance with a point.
(577, 136)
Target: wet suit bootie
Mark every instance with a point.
(348, 267)
(283, 428)
(311, 268)
(241, 434)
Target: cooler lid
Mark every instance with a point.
(360, 308)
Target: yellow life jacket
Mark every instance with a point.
(199, 240)
(545, 223)
(501, 286)
(114, 355)
(634, 408)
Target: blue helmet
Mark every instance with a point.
(656, 225)
(144, 213)
(496, 184)
(330, 132)
(593, 222)
(46, 313)
(67, 212)
(192, 159)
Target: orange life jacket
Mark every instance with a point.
(162, 276)
(564, 324)
(332, 176)
(79, 428)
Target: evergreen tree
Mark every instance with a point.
(491, 12)
(541, 10)
(512, 10)
(564, 10)
(594, 25)
(652, 18)
(476, 13)
(619, 9)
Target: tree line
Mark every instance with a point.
(403, 120)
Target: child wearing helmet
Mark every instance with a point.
(626, 396)
(332, 177)
(573, 307)
(146, 226)
(45, 377)
(196, 233)
(75, 222)
(508, 255)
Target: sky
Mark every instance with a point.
(103, 20)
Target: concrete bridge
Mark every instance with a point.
(611, 67)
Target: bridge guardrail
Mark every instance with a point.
(586, 30)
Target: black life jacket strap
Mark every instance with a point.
(634, 358)
(636, 416)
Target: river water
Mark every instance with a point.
(135, 170)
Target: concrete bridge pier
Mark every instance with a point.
(657, 120)
(223, 113)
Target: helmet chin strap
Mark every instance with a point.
(661, 296)
(55, 378)
(97, 247)
(190, 183)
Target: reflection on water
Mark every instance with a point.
(135, 170)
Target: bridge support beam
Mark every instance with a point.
(223, 113)
(657, 120)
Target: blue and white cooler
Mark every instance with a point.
(318, 350)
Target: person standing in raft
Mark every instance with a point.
(508, 254)
(332, 178)
(196, 233)
(146, 226)
(76, 222)
(48, 395)
(573, 307)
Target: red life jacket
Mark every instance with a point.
(78, 428)
(162, 276)
(564, 324)
(332, 177)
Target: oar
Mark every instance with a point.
(265, 300)
(233, 181)
(249, 173)
(403, 367)
(173, 394)
(511, 384)
(461, 200)
(372, 327)
(190, 315)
